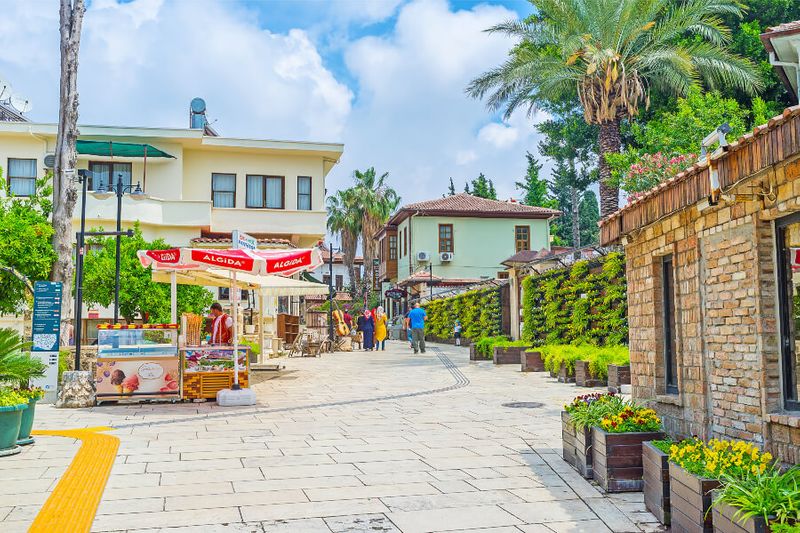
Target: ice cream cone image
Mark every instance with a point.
(117, 377)
(130, 385)
(118, 388)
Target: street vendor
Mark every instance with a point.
(222, 327)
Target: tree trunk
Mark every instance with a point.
(64, 193)
(610, 142)
(348, 241)
(369, 227)
(576, 222)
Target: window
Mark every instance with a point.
(102, 174)
(668, 314)
(445, 237)
(265, 192)
(326, 279)
(22, 176)
(522, 238)
(304, 193)
(788, 235)
(223, 190)
(400, 249)
(339, 282)
(405, 241)
(225, 294)
(392, 247)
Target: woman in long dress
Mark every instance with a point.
(366, 325)
(380, 329)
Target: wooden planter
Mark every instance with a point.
(584, 377)
(724, 521)
(563, 376)
(656, 482)
(617, 377)
(617, 459)
(577, 446)
(473, 355)
(690, 499)
(510, 355)
(532, 362)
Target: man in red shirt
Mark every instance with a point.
(222, 327)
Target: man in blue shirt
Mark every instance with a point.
(416, 318)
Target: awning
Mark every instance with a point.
(118, 149)
(265, 285)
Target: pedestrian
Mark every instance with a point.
(416, 318)
(347, 318)
(407, 329)
(457, 332)
(222, 327)
(381, 330)
(366, 325)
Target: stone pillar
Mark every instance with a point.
(77, 390)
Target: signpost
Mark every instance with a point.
(46, 333)
(376, 265)
(243, 241)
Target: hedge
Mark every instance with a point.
(553, 355)
(585, 303)
(478, 310)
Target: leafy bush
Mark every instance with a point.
(17, 367)
(478, 311)
(554, 355)
(10, 398)
(63, 362)
(600, 358)
(484, 347)
(773, 496)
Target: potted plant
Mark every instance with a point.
(585, 377)
(18, 368)
(655, 464)
(756, 503)
(577, 420)
(509, 352)
(32, 395)
(617, 447)
(695, 470)
(532, 361)
(12, 404)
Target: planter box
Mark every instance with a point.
(532, 362)
(577, 446)
(656, 482)
(584, 377)
(617, 377)
(553, 375)
(690, 499)
(564, 377)
(473, 355)
(724, 522)
(511, 355)
(617, 459)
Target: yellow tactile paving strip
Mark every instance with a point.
(73, 503)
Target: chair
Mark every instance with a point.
(296, 346)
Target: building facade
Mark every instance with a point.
(714, 292)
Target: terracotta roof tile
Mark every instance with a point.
(464, 204)
(227, 240)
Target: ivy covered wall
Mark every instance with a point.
(479, 311)
(585, 303)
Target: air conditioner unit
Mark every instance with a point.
(49, 161)
(423, 256)
(445, 256)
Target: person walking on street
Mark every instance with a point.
(407, 329)
(457, 332)
(366, 325)
(416, 318)
(381, 330)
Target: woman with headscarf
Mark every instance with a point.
(381, 330)
(366, 325)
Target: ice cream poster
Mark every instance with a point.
(143, 377)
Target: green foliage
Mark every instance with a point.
(139, 296)
(484, 347)
(63, 362)
(255, 349)
(17, 367)
(583, 304)
(483, 188)
(451, 189)
(11, 398)
(555, 355)
(773, 496)
(603, 356)
(534, 187)
(587, 411)
(25, 242)
(662, 445)
(478, 310)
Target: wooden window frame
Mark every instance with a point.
(235, 186)
(264, 178)
(405, 241)
(9, 177)
(669, 322)
(791, 401)
(527, 239)
(392, 247)
(111, 180)
(310, 193)
(445, 241)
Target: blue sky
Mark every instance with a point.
(385, 77)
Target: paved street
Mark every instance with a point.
(348, 442)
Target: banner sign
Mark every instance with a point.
(243, 241)
(46, 329)
(395, 294)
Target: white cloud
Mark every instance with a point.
(499, 135)
(464, 157)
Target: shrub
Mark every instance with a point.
(600, 358)
(485, 346)
(719, 458)
(773, 496)
(10, 398)
(478, 310)
(589, 409)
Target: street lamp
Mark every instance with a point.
(330, 293)
(136, 193)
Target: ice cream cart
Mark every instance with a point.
(209, 369)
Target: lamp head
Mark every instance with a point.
(137, 193)
(101, 193)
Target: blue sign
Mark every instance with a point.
(46, 316)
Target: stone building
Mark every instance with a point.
(713, 270)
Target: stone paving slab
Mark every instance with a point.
(350, 442)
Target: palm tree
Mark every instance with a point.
(609, 54)
(377, 201)
(17, 367)
(344, 218)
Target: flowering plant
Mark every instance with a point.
(720, 458)
(631, 419)
(585, 400)
(587, 410)
(652, 169)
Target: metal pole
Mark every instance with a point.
(330, 293)
(430, 267)
(80, 238)
(173, 296)
(119, 192)
(235, 300)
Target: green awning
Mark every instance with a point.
(117, 149)
(308, 277)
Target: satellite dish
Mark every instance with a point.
(50, 161)
(21, 104)
(198, 105)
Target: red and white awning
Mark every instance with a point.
(256, 262)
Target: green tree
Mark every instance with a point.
(533, 187)
(483, 188)
(609, 54)
(568, 188)
(344, 219)
(451, 189)
(589, 217)
(139, 296)
(26, 236)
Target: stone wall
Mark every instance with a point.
(726, 317)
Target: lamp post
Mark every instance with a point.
(120, 189)
(330, 293)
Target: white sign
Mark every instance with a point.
(243, 241)
(49, 383)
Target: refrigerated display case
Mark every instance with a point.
(209, 368)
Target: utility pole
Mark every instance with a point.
(430, 282)
(330, 293)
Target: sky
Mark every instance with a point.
(384, 77)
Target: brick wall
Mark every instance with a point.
(726, 316)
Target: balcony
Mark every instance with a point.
(149, 211)
(310, 224)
